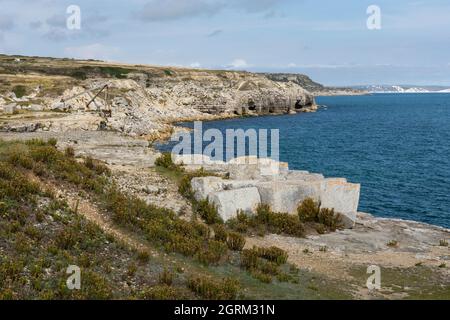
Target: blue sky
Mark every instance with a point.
(326, 39)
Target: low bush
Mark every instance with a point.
(327, 219)
(209, 289)
(19, 91)
(263, 263)
(165, 161)
(220, 232)
(166, 277)
(308, 210)
(330, 219)
(273, 254)
(208, 212)
(235, 241)
(163, 292)
(266, 220)
(69, 152)
(212, 253)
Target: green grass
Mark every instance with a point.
(418, 282)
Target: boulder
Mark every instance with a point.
(303, 176)
(285, 196)
(340, 195)
(229, 202)
(204, 186)
(348, 219)
(10, 108)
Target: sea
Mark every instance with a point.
(397, 146)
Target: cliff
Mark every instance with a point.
(134, 99)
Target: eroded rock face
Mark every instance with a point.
(282, 191)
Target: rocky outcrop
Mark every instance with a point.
(145, 100)
(283, 190)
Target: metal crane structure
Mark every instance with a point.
(102, 88)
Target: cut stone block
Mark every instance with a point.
(204, 186)
(229, 202)
(340, 195)
(283, 196)
(304, 176)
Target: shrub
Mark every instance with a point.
(166, 277)
(220, 233)
(249, 259)
(69, 152)
(443, 243)
(308, 211)
(19, 91)
(210, 289)
(143, 256)
(263, 263)
(212, 253)
(392, 243)
(330, 219)
(165, 161)
(273, 254)
(80, 75)
(235, 241)
(116, 72)
(18, 158)
(267, 220)
(261, 276)
(163, 292)
(208, 212)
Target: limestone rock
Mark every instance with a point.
(228, 202)
(340, 195)
(285, 197)
(204, 186)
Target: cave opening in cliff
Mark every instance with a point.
(251, 106)
(298, 105)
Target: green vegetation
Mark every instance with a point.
(115, 72)
(392, 243)
(328, 220)
(210, 289)
(267, 221)
(168, 72)
(19, 91)
(235, 241)
(264, 264)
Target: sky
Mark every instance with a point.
(326, 39)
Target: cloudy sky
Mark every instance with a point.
(326, 39)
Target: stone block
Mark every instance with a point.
(340, 195)
(229, 202)
(204, 186)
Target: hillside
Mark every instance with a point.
(139, 100)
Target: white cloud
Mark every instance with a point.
(238, 64)
(92, 51)
(195, 65)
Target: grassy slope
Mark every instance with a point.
(41, 236)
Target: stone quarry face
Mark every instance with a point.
(247, 188)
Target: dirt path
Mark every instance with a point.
(91, 213)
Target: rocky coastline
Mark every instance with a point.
(141, 107)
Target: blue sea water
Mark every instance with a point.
(396, 145)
